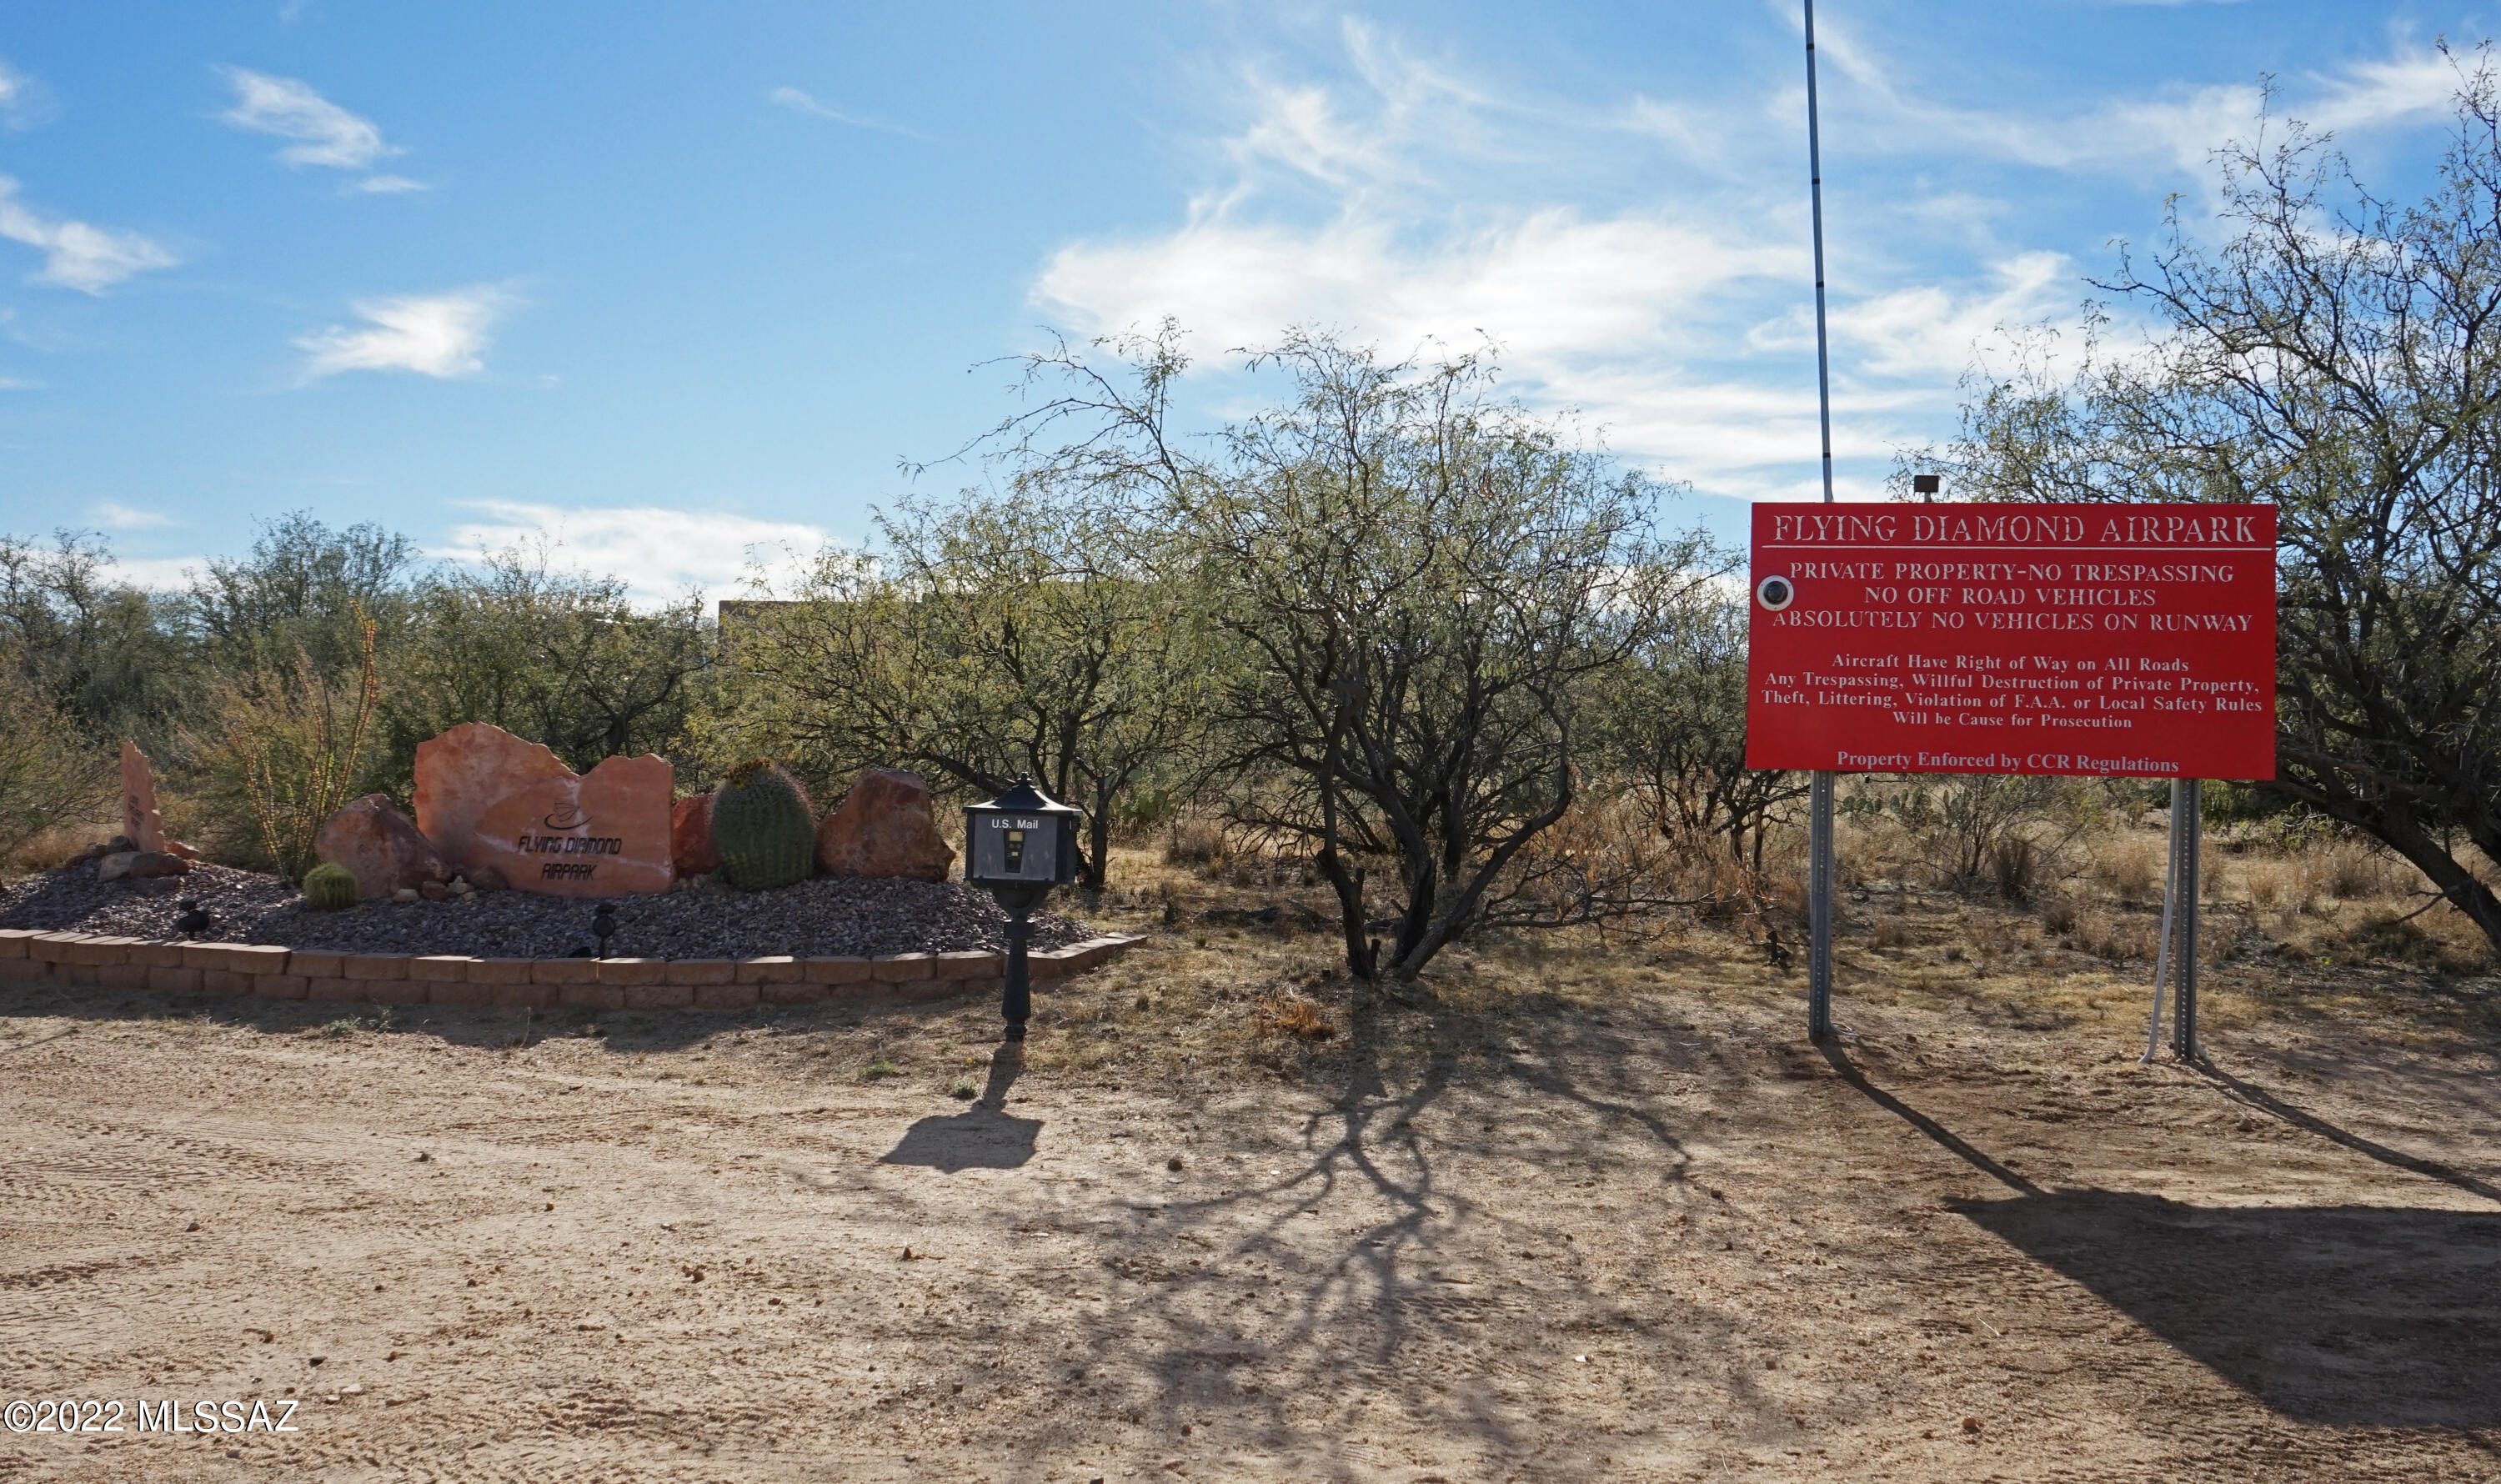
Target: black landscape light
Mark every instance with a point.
(1019, 846)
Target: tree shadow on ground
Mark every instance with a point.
(984, 1136)
(2341, 1315)
(1410, 1283)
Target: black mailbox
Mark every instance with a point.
(1019, 846)
(1021, 838)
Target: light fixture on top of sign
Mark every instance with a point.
(1019, 846)
(1924, 486)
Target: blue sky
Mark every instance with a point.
(681, 286)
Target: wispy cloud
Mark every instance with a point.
(1403, 203)
(390, 185)
(799, 102)
(661, 553)
(326, 134)
(159, 574)
(2178, 125)
(76, 253)
(23, 101)
(1663, 294)
(116, 516)
(440, 335)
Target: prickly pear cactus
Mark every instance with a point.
(763, 828)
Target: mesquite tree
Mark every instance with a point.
(2339, 357)
(1421, 594)
(986, 636)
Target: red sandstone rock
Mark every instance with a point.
(141, 823)
(469, 770)
(509, 813)
(604, 833)
(691, 836)
(884, 827)
(380, 847)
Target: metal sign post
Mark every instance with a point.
(2179, 941)
(1818, 878)
(2188, 826)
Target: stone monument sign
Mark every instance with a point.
(487, 798)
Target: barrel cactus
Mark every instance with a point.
(763, 828)
(329, 888)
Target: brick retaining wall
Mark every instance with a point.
(167, 966)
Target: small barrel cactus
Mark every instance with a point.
(329, 888)
(763, 828)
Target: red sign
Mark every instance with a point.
(2096, 640)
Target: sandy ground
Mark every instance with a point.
(1628, 1229)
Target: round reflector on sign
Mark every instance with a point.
(1775, 593)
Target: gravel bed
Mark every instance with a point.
(828, 917)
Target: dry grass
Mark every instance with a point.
(53, 848)
(2316, 933)
(2128, 864)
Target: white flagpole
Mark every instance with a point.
(1818, 961)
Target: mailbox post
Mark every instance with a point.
(1020, 845)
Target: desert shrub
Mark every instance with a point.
(104, 657)
(1673, 725)
(281, 751)
(2266, 882)
(2131, 866)
(992, 635)
(1194, 842)
(563, 658)
(2350, 870)
(1981, 831)
(303, 586)
(2120, 938)
(2015, 862)
(51, 781)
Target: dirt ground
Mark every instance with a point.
(1553, 1213)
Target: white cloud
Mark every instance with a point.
(439, 335)
(1401, 206)
(1927, 330)
(325, 133)
(116, 516)
(2180, 125)
(1551, 284)
(799, 102)
(75, 255)
(1663, 292)
(23, 101)
(659, 551)
(159, 574)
